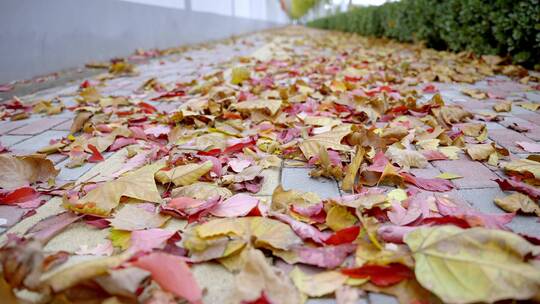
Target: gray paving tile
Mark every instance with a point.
(39, 141)
(482, 199)
(10, 140)
(71, 174)
(379, 298)
(299, 179)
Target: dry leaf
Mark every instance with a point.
(18, 171)
(102, 200)
(518, 202)
(184, 175)
(491, 261)
(319, 284)
(257, 276)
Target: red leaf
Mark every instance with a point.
(429, 184)
(512, 184)
(147, 108)
(19, 195)
(213, 152)
(445, 220)
(239, 146)
(343, 236)
(381, 275)
(261, 300)
(172, 274)
(430, 88)
(96, 155)
(174, 93)
(325, 257)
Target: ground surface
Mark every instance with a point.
(475, 184)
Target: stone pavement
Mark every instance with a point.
(476, 187)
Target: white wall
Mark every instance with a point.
(39, 37)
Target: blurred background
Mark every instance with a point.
(40, 37)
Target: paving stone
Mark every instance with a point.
(482, 199)
(38, 126)
(426, 172)
(10, 140)
(37, 142)
(65, 126)
(379, 298)
(8, 126)
(56, 158)
(507, 138)
(475, 174)
(530, 116)
(72, 174)
(298, 178)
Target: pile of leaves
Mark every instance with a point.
(184, 188)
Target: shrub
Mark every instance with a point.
(503, 27)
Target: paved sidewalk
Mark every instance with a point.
(476, 185)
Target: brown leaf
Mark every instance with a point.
(17, 171)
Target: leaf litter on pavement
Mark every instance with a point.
(360, 111)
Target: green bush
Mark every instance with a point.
(503, 27)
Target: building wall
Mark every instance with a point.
(39, 37)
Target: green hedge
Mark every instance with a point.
(503, 27)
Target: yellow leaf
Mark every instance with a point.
(352, 169)
(120, 238)
(239, 74)
(265, 232)
(504, 106)
(282, 200)
(406, 158)
(319, 284)
(480, 151)
(530, 106)
(257, 276)
(397, 195)
(524, 166)
(518, 202)
(80, 272)
(451, 152)
(473, 265)
(311, 146)
(184, 175)
(102, 200)
(272, 105)
(448, 175)
(201, 191)
(368, 253)
(132, 217)
(338, 217)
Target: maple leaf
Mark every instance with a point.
(102, 200)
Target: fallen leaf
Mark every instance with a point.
(406, 158)
(493, 260)
(381, 275)
(147, 240)
(449, 176)
(518, 202)
(258, 276)
(184, 175)
(133, 217)
(338, 217)
(237, 205)
(429, 184)
(18, 171)
(319, 284)
(325, 257)
(102, 200)
(352, 169)
(172, 274)
(510, 184)
(524, 166)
